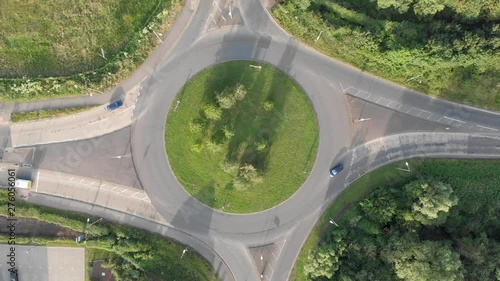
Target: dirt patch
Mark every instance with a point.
(35, 228)
(98, 271)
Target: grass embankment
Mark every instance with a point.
(351, 195)
(131, 252)
(52, 48)
(474, 182)
(447, 55)
(250, 155)
(51, 113)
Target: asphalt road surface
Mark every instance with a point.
(365, 122)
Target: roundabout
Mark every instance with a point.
(241, 139)
(227, 233)
(231, 241)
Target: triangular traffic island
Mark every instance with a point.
(265, 258)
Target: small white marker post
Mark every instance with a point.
(361, 120)
(256, 66)
(331, 221)
(102, 55)
(407, 168)
(175, 108)
(317, 38)
(183, 252)
(230, 13)
(157, 35)
(415, 77)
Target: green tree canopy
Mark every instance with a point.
(431, 201)
(325, 262)
(425, 260)
(481, 257)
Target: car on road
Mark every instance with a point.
(115, 105)
(13, 275)
(335, 170)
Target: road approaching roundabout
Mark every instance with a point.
(240, 138)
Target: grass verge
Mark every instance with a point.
(446, 56)
(133, 252)
(473, 181)
(51, 113)
(251, 155)
(51, 49)
(351, 195)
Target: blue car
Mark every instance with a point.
(115, 105)
(335, 170)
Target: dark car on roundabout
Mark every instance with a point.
(336, 170)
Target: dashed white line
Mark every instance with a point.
(455, 119)
(488, 128)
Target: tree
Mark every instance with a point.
(302, 4)
(401, 6)
(420, 7)
(325, 262)
(228, 98)
(225, 99)
(428, 7)
(425, 260)
(228, 133)
(480, 256)
(268, 105)
(239, 92)
(431, 201)
(250, 174)
(212, 112)
(380, 207)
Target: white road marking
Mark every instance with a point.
(488, 128)
(215, 2)
(454, 119)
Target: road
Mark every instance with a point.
(341, 96)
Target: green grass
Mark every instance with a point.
(51, 49)
(290, 130)
(58, 38)
(399, 47)
(475, 182)
(351, 195)
(94, 254)
(41, 114)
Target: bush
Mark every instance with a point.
(268, 105)
(250, 174)
(212, 112)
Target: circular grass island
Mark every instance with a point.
(241, 139)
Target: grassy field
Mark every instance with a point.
(273, 128)
(475, 183)
(59, 38)
(41, 114)
(132, 249)
(446, 55)
(52, 48)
